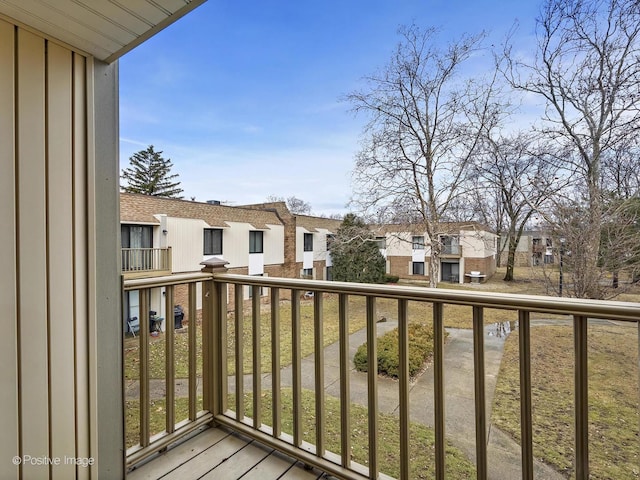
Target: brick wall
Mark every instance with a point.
(486, 266)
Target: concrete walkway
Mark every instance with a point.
(503, 452)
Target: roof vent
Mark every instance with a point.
(213, 202)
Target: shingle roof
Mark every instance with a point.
(138, 208)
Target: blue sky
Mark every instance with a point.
(244, 96)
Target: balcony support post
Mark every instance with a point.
(239, 350)
(170, 384)
(580, 328)
(526, 431)
(143, 338)
(438, 389)
(296, 367)
(403, 374)
(257, 356)
(345, 392)
(372, 386)
(214, 335)
(481, 412)
(275, 363)
(319, 371)
(192, 340)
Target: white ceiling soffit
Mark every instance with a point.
(106, 29)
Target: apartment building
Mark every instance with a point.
(467, 252)
(162, 236)
(535, 248)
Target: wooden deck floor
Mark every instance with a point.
(217, 453)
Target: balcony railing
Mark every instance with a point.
(221, 293)
(138, 262)
(450, 249)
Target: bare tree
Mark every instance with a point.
(621, 170)
(587, 71)
(294, 204)
(522, 176)
(424, 126)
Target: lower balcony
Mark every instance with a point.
(145, 262)
(261, 383)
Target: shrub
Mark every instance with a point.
(420, 349)
(391, 279)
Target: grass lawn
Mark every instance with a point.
(614, 445)
(422, 438)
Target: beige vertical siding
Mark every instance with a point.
(186, 237)
(46, 344)
(9, 420)
(60, 255)
(80, 301)
(32, 238)
(273, 245)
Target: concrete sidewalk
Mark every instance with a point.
(503, 452)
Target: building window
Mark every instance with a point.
(212, 241)
(307, 273)
(308, 242)
(450, 244)
(255, 242)
(329, 275)
(381, 242)
(418, 242)
(418, 268)
(136, 236)
(330, 240)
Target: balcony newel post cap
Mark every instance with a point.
(214, 264)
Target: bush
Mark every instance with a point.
(420, 349)
(391, 279)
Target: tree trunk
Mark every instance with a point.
(434, 262)
(511, 260)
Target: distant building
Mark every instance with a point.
(465, 248)
(536, 247)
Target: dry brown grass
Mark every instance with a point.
(614, 419)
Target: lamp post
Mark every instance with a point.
(562, 241)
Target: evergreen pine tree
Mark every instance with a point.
(355, 254)
(149, 174)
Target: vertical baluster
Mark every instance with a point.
(526, 430)
(481, 413)
(193, 374)
(296, 367)
(438, 389)
(143, 337)
(372, 386)
(257, 386)
(239, 353)
(580, 328)
(207, 345)
(276, 401)
(318, 337)
(169, 360)
(345, 394)
(403, 372)
(220, 382)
